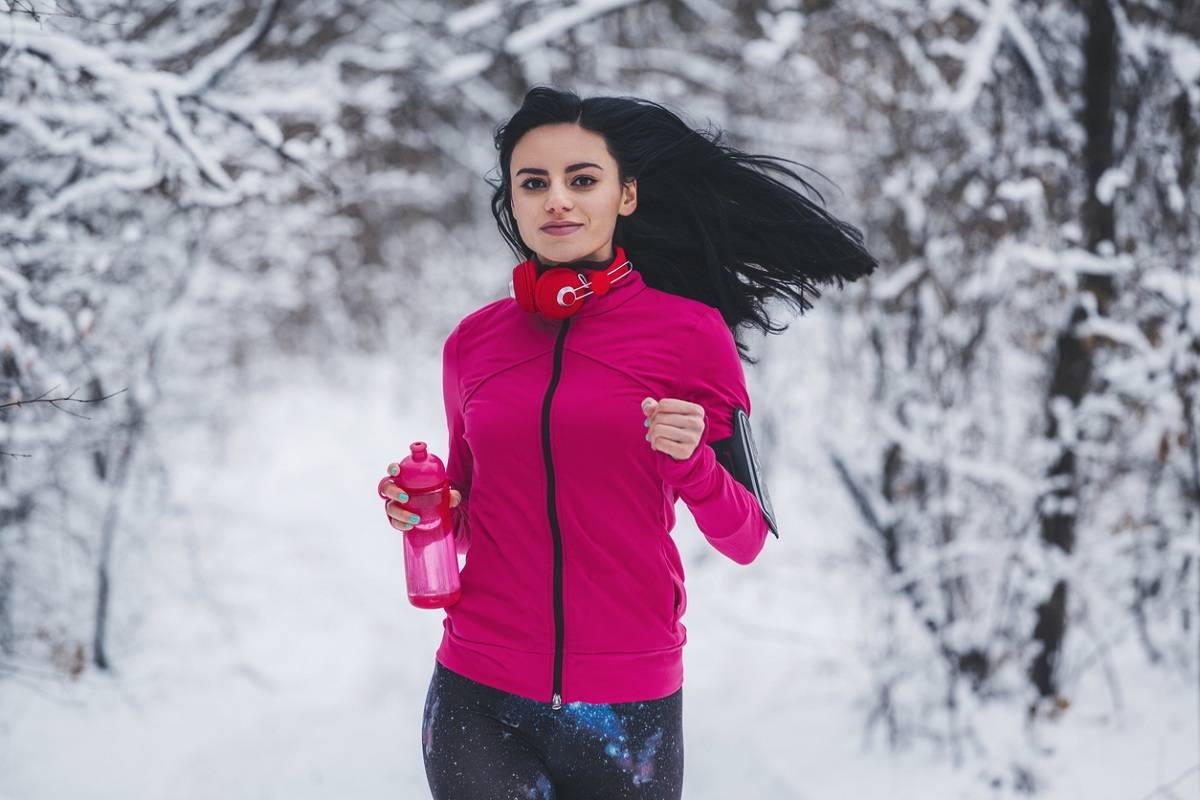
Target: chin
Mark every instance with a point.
(574, 252)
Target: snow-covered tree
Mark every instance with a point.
(1033, 355)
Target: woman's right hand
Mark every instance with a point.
(399, 516)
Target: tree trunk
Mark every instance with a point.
(1074, 358)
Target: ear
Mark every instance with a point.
(628, 197)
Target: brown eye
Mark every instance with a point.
(526, 185)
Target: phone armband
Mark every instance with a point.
(739, 456)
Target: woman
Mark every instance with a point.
(580, 409)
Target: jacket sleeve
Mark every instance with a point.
(459, 462)
(726, 512)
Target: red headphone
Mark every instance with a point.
(559, 291)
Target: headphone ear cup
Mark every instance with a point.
(551, 282)
(524, 283)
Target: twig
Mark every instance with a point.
(1166, 787)
(53, 400)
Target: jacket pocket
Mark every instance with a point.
(680, 600)
(678, 593)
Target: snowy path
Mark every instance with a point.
(279, 657)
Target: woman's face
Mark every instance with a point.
(563, 173)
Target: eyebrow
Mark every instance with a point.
(572, 168)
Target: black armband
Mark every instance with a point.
(738, 455)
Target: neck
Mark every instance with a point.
(581, 263)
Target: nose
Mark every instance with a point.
(557, 199)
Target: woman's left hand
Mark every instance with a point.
(674, 426)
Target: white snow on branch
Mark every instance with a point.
(559, 22)
(206, 72)
(145, 102)
(1114, 178)
(51, 319)
(890, 285)
(978, 54)
(474, 17)
(997, 19)
(987, 473)
(1068, 263)
(1124, 332)
(209, 164)
(463, 68)
(1139, 40)
(99, 186)
(78, 143)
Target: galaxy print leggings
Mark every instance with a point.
(481, 743)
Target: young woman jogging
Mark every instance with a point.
(606, 387)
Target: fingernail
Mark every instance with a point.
(403, 497)
(414, 518)
(646, 422)
(647, 437)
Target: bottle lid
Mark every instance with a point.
(421, 469)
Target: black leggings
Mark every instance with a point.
(483, 743)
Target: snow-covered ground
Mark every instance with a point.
(278, 656)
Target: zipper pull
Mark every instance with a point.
(557, 704)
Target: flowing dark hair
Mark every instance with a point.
(710, 223)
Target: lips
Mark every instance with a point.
(559, 229)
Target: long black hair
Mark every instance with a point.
(711, 223)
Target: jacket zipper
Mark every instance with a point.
(552, 510)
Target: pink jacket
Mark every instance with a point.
(573, 588)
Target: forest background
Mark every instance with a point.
(233, 236)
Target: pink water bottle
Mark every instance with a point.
(430, 554)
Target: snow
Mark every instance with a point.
(261, 640)
(278, 657)
(556, 23)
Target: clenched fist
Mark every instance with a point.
(674, 426)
